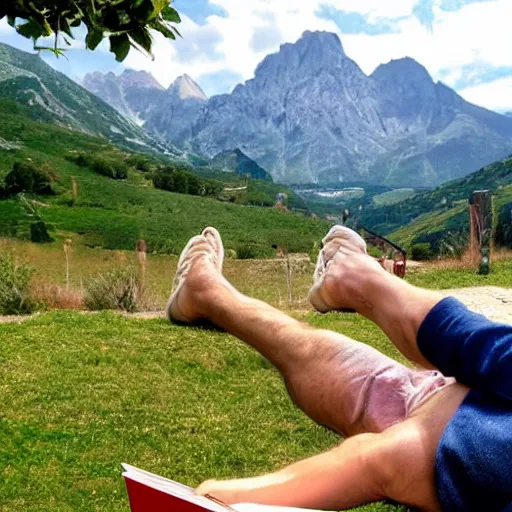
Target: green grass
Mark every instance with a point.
(114, 215)
(83, 393)
(393, 196)
(438, 278)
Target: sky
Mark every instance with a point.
(466, 44)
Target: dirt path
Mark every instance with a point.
(491, 301)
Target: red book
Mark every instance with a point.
(152, 493)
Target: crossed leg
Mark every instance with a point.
(340, 383)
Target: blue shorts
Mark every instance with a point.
(474, 456)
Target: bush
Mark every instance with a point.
(422, 252)
(15, 288)
(104, 165)
(246, 252)
(140, 162)
(26, 177)
(182, 181)
(39, 233)
(117, 289)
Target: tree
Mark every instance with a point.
(126, 23)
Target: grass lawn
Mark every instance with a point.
(82, 393)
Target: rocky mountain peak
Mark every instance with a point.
(133, 78)
(185, 88)
(312, 53)
(320, 41)
(402, 69)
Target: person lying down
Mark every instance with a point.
(436, 438)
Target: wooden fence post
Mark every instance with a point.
(481, 218)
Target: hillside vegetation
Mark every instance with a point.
(99, 211)
(440, 217)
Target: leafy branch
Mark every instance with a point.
(125, 23)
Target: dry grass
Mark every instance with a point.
(262, 279)
(54, 296)
(466, 262)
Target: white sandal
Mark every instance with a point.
(188, 256)
(342, 237)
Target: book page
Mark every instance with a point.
(170, 487)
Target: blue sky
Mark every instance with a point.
(464, 43)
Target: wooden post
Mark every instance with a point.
(141, 251)
(481, 217)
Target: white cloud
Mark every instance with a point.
(458, 39)
(496, 95)
(476, 35)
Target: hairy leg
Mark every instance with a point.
(338, 382)
(354, 280)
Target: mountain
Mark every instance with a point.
(132, 93)
(52, 97)
(138, 96)
(239, 163)
(311, 115)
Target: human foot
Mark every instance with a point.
(200, 264)
(342, 264)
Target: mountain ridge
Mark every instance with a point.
(53, 97)
(310, 114)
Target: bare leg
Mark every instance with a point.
(329, 376)
(355, 280)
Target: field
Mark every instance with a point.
(83, 392)
(114, 214)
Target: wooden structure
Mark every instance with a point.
(393, 259)
(481, 222)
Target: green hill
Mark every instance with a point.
(113, 213)
(52, 97)
(239, 163)
(441, 216)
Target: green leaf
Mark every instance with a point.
(64, 26)
(163, 28)
(120, 46)
(142, 37)
(58, 52)
(171, 14)
(93, 38)
(31, 29)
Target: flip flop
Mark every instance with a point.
(190, 253)
(339, 241)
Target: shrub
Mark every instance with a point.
(110, 168)
(104, 165)
(246, 252)
(39, 233)
(15, 288)
(140, 162)
(182, 181)
(26, 177)
(422, 252)
(117, 289)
